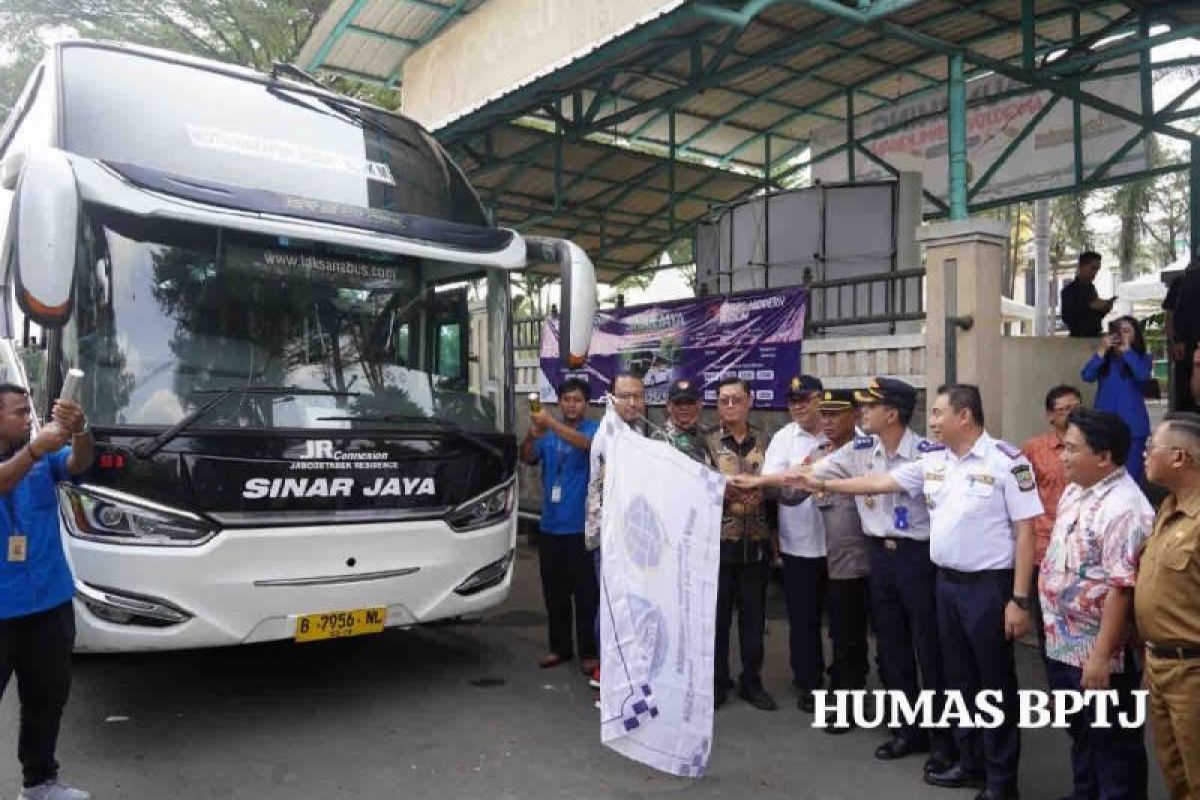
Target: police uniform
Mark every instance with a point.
(802, 548)
(902, 577)
(847, 559)
(973, 503)
(745, 564)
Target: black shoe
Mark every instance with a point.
(899, 747)
(956, 778)
(758, 697)
(938, 763)
(999, 794)
(806, 703)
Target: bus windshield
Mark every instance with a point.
(169, 314)
(128, 108)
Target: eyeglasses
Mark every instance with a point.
(1151, 447)
(628, 397)
(730, 401)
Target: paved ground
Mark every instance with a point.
(447, 712)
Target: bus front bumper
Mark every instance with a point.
(251, 585)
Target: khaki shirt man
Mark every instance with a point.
(1167, 603)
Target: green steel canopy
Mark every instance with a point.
(627, 147)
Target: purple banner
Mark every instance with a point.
(755, 336)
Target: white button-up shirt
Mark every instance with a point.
(801, 529)
(973, 502)
(883, 515)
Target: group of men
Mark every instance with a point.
(947, 548)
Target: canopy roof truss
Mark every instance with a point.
(626, 148)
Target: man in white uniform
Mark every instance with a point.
(801, 539)
(982, 498)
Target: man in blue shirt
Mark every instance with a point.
(561, 447)
(37, 621)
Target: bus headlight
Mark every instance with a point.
(105, 515)
(487, 509)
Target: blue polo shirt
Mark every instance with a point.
(565, 466)
(43, 580)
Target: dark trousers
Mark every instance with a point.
(1107, 763)
(804, 588)
(744, 587)
(904, 614)
(1037, 617)
(1181, 382)
(848, 631)
(977, 656)
(38, 648)
(568, 571)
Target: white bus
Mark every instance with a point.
(266, 286)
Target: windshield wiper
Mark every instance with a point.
(148, 447)
(442, 425)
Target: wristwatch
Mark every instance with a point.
(1020, 602)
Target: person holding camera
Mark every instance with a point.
(37, 619)
(1122, 367)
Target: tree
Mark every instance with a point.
(253, 33)
(529, 293)
(1169, 219)
(1069, 231)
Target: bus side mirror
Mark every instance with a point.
(577, 301)
(10, 169)
(46, 215)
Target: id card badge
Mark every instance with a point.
(18, 547)
(556, 494)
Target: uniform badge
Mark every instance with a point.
(869, 501)
(863, 442)
(1024, 475)
(900, 518)
(926, 446)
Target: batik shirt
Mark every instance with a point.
(1096, 544)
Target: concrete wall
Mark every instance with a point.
(1031, 365)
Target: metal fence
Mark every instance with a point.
(880, 299)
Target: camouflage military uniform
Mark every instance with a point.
(693, 443)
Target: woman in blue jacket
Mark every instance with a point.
(1122, 365)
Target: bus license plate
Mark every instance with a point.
(340, 624)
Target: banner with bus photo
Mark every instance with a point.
(755, 336)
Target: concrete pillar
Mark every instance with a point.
(964, 262)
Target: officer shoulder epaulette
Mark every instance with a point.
(926, 446)
(863, 442)
(1008, 449)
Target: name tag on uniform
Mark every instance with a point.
(18, 547)
(980, 484)
(556, 494)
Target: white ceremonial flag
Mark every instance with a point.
(660, 546)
